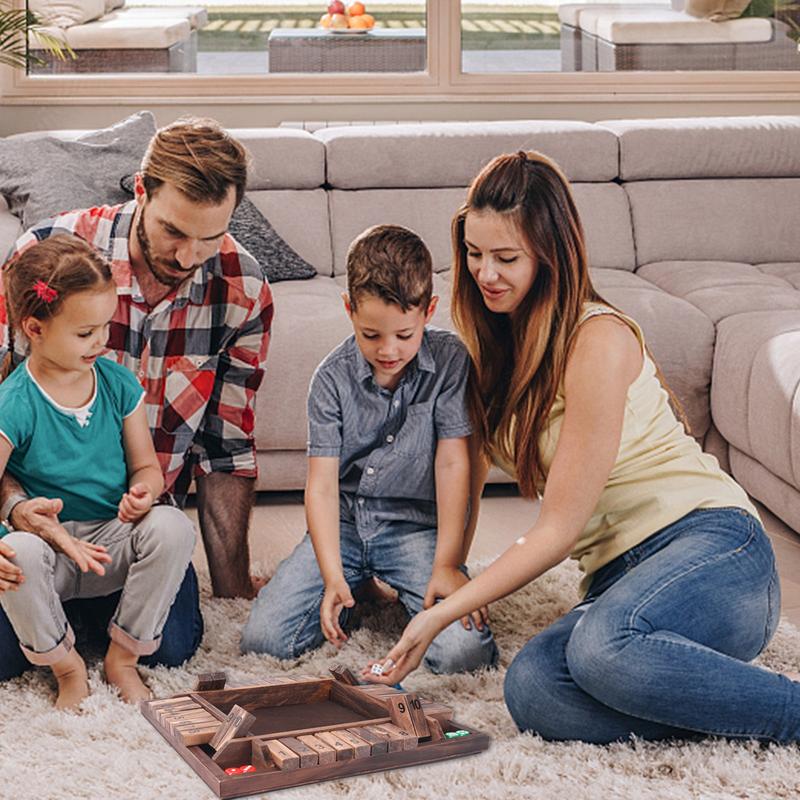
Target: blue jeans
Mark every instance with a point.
(89, 619)
(284, 620)
(660, 646)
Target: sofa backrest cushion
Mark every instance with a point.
(603, 208)
(282, 158)
(750, 221)
(711, 147)
(451, 154)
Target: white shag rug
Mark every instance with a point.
(111, 751)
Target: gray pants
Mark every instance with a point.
(148, 561)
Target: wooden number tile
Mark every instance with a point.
(237, 723)
(208, 681)
(438, 710)
(435, 728)
(283, 758)
(343, 675)
(327, 755)
(157, 705)
(343, 750)
(199, 735)
(408, 741)
(308, 757)
(394, 743)
(175, 708)
(377, 743)
(257, 755)
(361, 748)
(406, 712)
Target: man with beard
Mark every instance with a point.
(192, 323)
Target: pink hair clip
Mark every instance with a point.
(45, 292)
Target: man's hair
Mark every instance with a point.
(198, 158)
(392, 263)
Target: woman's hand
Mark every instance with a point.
(446, 580)
(337, 596)
(135, 503)
(407, 654)
(11, 576)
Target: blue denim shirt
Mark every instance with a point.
(386, 441)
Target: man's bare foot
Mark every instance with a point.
(374, 590)
(120, 666)
(73, 681)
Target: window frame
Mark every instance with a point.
(443, 81)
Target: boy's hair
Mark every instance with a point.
(392, 263)
(38, 281)
(198, 158)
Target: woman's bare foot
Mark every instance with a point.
(792, 676)
(73, 681)
(120, 666)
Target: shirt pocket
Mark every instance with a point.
(416, 436)
(188, 383)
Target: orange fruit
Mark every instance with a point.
(356, 10)
(338, 21)
(368, 19)
(325, 21)
(359, 22)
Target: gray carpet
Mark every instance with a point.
(110, 751)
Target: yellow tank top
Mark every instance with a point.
(660, 475)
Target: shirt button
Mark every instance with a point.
(396, 403)
(390, 438)
(361, 501)
(141, 374)
(370, 470)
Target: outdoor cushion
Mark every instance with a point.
(117, 31)
(716, 10)
(65, 13)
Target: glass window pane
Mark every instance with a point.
(639, 35)
(243, 37)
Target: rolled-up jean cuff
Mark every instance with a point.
(135, 646)
(55, 654)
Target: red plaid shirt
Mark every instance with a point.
(199, 354)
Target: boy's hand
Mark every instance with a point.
(11, 576)
(135, 503)
(446, 580)
(337, 596)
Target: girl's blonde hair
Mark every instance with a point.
(518, 363)
(38, 281)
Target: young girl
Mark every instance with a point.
(73, 428)
(680, 589)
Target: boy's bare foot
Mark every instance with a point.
(73, 681)
(120, 667)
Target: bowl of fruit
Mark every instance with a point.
(350, 19)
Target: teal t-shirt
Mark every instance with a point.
(56, 455)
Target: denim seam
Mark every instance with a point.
(301, 625)
(49, 559)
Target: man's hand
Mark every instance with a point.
(446, 580)
(11, 576)
(39, 515)
(337, 596)
(135, 503)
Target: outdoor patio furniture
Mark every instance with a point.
(319, 50)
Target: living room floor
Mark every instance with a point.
(278, 524)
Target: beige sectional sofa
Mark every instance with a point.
(691, 228)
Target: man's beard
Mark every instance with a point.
(165, 278)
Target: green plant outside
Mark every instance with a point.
(15, 24)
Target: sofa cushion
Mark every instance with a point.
(116, 31)
(64, 13)
(72, 174)
(196, 16)
(716, 10)
(603, 208)
(721, 288)
(789, 272)
(708, 147)
(679, 336)
(741, 220)
(282, 158)
(755, 391)
(570, 13)
(451, 154)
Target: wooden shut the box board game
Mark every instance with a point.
(287, 732)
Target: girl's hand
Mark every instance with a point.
(135, 503)
(446, 580)
(337, 596)
(11, 576)
(407, 654)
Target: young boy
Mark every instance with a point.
(388, 437)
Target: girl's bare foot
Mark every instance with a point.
(120, 666)
(73, 681)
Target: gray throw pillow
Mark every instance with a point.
(252, 230)
(41, 177)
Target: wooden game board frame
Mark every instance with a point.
(370, 703)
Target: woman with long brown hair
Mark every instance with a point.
(680, 590)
